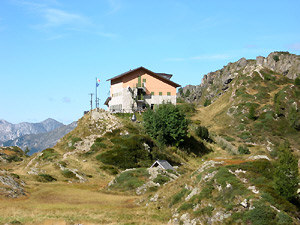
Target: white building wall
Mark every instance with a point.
(121, 100)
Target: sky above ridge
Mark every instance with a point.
(51, 51)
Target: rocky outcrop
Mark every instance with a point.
(10, 185)
(217, 83)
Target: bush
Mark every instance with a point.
(161, 179)
(276, 58)
(75, 139)
(286, 175)
(13, 158)
(178, 196)
(110, 169)
(297, 81)
(251, 114)
(130, 180)
(128, 152)
(202, 132)
(187, 108)
(69, 174)
(43, 177)
(243, 150)
(185, 206)
(284, 219)
(207, 102)
(167, 124)
(49, 154)
(260, 215)
(187, 93)
(294, 118)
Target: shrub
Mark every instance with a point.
(180, 91)
(187, 93)
(128, 152)
(161, 179)
(167, 124)
(260, 215)
(13, 158)
(97, 146)
(243, 150)
(69, 174)
(286, 175)
(207, 102)
(75, 139)
(131, 179)
(202, 132)
(187, 108)
(49, 154)
(185, 206)
(294, 118)
(43, 177)
(284, 219)
(276, 58)
(110, 169)
(251, 114)
(178, 196)
(297, 81)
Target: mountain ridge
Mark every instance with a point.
(10, 131)
(217, 82)
(41, 141)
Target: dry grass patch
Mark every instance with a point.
(72, 203)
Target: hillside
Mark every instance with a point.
(236, 164)
(251, 103)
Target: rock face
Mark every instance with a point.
(39, 142)
(10, 185)
(9, 131)
(216, 83)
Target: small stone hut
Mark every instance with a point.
(163, 164)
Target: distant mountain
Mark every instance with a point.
(9, 131)
(39, 142)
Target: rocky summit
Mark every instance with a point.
(216, 83)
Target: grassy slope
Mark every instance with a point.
(228, 115)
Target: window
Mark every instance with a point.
(168, 93)
(160, 93)
(152, 93)
(144, 80)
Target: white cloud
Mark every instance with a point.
(56, 17)
(58, 23)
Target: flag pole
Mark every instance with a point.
(96, 93)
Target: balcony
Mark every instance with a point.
(141, 86)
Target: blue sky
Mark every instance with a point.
(51, 51)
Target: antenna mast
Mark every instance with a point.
(91, 101)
